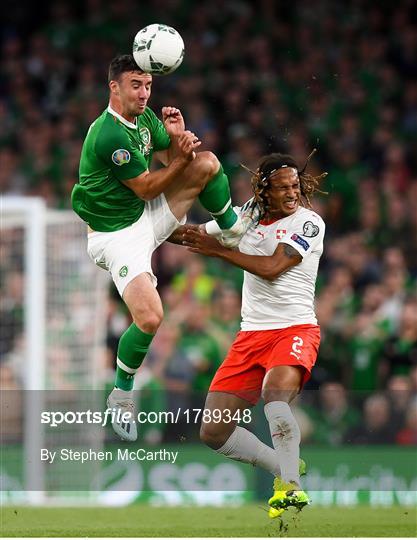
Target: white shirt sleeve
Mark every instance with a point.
(305, 234)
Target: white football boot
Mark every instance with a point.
(123, 417)
(247, 217)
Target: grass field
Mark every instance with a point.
(250, 520)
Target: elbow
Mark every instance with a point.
(270, 274)
(144, 189)
(145, 194)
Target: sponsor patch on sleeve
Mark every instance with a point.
(120, 157)
(298, 240)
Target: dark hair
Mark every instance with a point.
(271, 163)
(120, 64)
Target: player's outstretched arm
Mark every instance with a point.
(149, 185)
(266, 267)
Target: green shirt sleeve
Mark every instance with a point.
(117, 151)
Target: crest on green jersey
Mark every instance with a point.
(145, 137)
(120, 156)
(123, 271)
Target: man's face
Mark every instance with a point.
(284, 192)
(133, 90)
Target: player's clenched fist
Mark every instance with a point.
(173, 121)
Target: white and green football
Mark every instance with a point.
(158, 49)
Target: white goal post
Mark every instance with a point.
(58, 342)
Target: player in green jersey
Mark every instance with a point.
(130, 211)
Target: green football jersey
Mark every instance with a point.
(115, 150)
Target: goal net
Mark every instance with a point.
(53, 303)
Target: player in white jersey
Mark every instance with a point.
(273, 354)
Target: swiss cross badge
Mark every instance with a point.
(281, 233)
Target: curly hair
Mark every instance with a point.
(267, 166)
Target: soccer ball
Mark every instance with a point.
(158, 49)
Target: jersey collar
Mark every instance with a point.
(268, 221)
(274, 220)
(122, 120)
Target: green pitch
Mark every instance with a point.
(251, 520)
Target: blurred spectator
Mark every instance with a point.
(408, 434)
(11, 403)
(333, 417)
(11, 310)
(172, 370)
(399, 392)
(199, 349)
(377, 426)
(193, 282)
(225, 319)
(413, 379)
(365, 346)
(400, 350)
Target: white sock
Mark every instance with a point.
(242, 445)
(286, 438)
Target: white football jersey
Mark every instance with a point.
(289, 299)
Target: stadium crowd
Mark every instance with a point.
(257, 77)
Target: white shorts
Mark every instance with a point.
(128, 252)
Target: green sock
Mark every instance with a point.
(215, 198)
(133, 346)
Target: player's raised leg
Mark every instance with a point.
(145, 307)
(204, 178)
(281, 385)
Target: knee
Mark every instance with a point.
(214, 435)
(273, 394)
(207, 165)
(149, 322)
